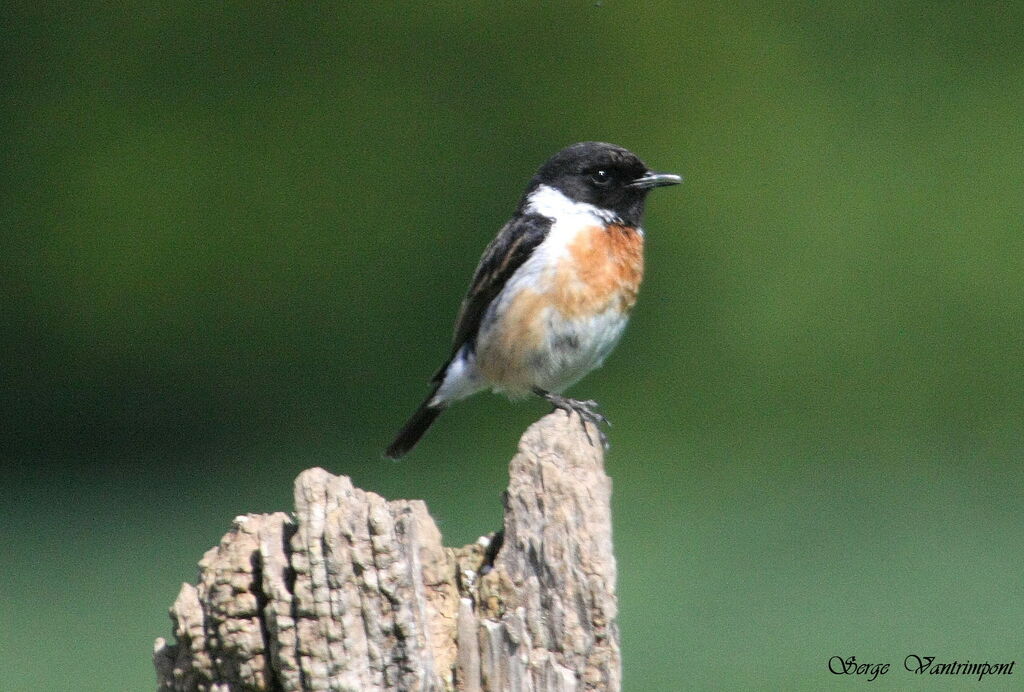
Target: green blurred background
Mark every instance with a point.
(234, 238)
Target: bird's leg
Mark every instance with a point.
(586, 410)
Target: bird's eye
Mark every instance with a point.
(601, 177)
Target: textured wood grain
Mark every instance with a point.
(357, 593)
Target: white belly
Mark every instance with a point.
(574, 347)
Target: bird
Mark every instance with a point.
(553, 291)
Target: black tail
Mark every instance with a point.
(414, 428)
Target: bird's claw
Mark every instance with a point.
(586, 410)
(588, 413)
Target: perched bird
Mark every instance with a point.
(553, 290)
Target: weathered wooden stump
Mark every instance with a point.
(357, 593)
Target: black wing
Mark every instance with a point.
(510, 248)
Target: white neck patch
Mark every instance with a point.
(552, 203)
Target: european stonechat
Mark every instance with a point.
(553, 291)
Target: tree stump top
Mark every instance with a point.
(355, 592)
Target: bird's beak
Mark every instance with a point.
(651, 179)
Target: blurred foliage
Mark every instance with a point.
(233, 239)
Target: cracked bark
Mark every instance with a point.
(354, 592)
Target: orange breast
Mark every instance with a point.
(605, 269)
(601, 272)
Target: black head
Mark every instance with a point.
(604, 175)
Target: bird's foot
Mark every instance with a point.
(586, 410)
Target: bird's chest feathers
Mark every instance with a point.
(599, 267)
(565, 309)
